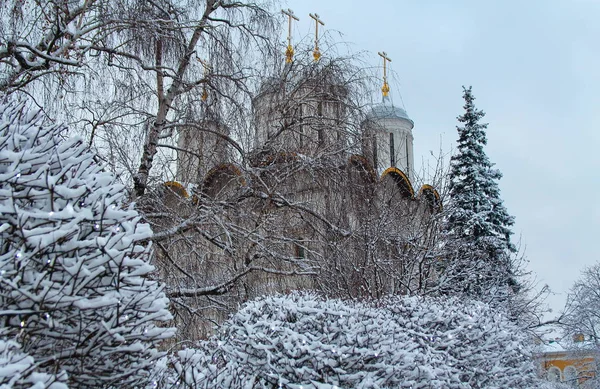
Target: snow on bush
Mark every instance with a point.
(482, 346)
(74, 286)
(303, 341)
(558, 385)
(18, 370)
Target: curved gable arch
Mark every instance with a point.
(401, 180)
(176, 188)
(220, 176)
(361, 164)
(431, 196)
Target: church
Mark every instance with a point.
(323, 200)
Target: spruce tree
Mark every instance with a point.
(477, 227)
(76, 298)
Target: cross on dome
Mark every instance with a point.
(289, 52)
(316, 52)
(385, 89)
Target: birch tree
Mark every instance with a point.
(129, 72)
(245, 198)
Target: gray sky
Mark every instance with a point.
(535, 71)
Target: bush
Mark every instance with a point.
(304, 341)
(74, 286)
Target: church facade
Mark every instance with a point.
(324, 201)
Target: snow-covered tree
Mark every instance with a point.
(582, 311)
(75, 286)
(581, 318)
(131, 73)
(304, 341)
(480, 253)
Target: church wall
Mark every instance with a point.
(306, 120)
(367, 254)
(206, 150)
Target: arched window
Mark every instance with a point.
(554, 374)
(571, 375)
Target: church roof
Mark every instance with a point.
(318, 77)
(387, 110)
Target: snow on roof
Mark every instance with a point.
(564, 345)
(387, 110)
(551, 347)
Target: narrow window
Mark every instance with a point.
(392, 153)
(407, 160)
(300, 253)
(301, 125)
(321, 136)
(375, 153)
(320, 109)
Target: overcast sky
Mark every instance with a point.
(535, 71)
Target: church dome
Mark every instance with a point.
(317, 79)
(386, 110)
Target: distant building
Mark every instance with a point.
(573, 363)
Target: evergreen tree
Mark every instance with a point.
(477, 223)
(74, 286)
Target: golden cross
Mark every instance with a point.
(385, 88)
(316, 52)
(289, 52)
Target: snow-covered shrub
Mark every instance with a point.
(74, 286)
(304, 341)
(482, 347)
(556, 385)
(19, 370)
